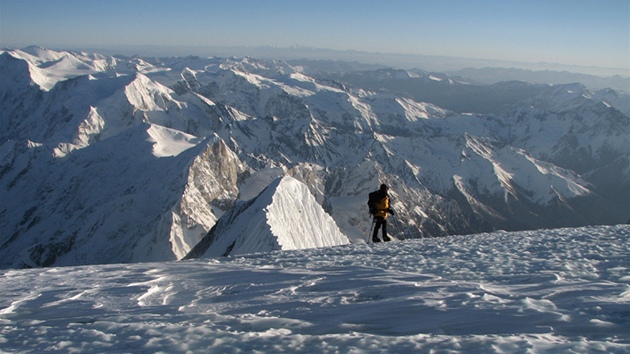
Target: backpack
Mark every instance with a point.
(373, 199)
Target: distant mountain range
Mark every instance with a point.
(484, 74)
(109, 159)
(493, 75)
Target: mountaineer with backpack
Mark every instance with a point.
(379, 205)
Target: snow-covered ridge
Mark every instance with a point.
(285, 216)
(48, 67)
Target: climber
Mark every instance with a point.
(379, 205)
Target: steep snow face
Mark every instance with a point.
(285, 216)
(298, 221)
(147, 95)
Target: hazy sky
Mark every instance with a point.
(575, 32)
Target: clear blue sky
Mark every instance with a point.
(575, 32)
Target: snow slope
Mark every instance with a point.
(547, 291)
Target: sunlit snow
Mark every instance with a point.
(553, 291)
(169, 142)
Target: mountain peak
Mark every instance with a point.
(284, 216)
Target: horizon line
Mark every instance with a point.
(295, 49)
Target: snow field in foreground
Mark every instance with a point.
(564, 290)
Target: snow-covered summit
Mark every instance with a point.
(48, 67)
(284, 216)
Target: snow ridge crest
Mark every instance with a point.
(284, 216)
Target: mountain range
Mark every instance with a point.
(109, 159)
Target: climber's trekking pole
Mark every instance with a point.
(371, 231)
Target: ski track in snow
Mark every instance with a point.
(564, 290)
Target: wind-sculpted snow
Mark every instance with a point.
(555, 291)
